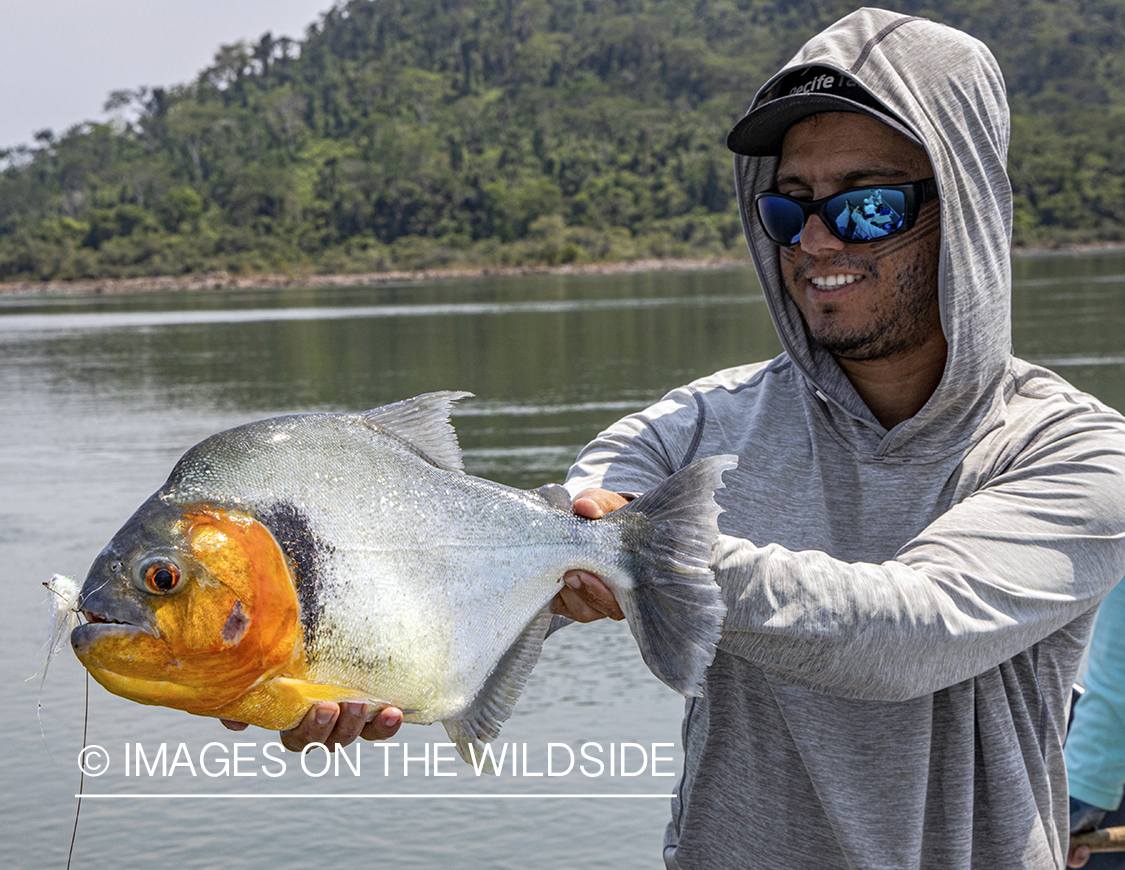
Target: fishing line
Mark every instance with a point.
(81, 772)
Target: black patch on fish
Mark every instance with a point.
(236, 625)
(306, 552)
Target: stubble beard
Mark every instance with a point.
(903, 322)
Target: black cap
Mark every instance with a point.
(806, 91)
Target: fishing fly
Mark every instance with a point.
(64, 618)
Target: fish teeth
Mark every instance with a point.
(828, 282)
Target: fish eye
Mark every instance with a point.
(162, 577)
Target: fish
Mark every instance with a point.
(349, 557)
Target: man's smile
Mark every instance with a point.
(831, 282)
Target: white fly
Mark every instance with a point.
(64, 614)
(64, 618)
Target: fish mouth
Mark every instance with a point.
(126, 659)
(97, 618)
(92, 617)
(119, 655)
(99, 627)
(103, 608)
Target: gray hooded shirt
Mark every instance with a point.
(906, 608)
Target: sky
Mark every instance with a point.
(60, 59)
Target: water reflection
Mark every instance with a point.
(575, 349)
(1067, 313)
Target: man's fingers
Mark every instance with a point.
(349, 724)
(585, 598)
(328, 723)
(335, 725)
(593, 504)
(383, 724)
(569, 603)
(587, 507)
(314, 728)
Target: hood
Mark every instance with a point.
(947, 88)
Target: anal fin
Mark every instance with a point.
(313, 693)
(480, 722)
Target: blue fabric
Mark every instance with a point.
(1083, 816)
(1095, 746)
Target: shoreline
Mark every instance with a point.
(220, 280)
(273, 281)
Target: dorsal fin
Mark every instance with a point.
(423, 423)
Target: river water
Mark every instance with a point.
(100, 396)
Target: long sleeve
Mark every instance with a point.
(1018, 555)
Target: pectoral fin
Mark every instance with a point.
(313, 693)
(282, 702)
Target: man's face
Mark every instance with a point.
(862, 301)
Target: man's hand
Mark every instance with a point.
(1083, 817)
(335, 725)
(584, 597)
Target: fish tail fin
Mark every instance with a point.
(675, 608)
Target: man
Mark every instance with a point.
(920, 527)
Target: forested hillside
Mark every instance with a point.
(423, 133)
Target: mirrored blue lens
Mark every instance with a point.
(782, 218)
(868, 213)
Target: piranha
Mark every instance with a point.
(348, 557)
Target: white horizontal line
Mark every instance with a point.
(86, 321)
(532, 796)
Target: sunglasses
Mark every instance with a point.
(861, 214)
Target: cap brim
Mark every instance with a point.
(762, 131)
